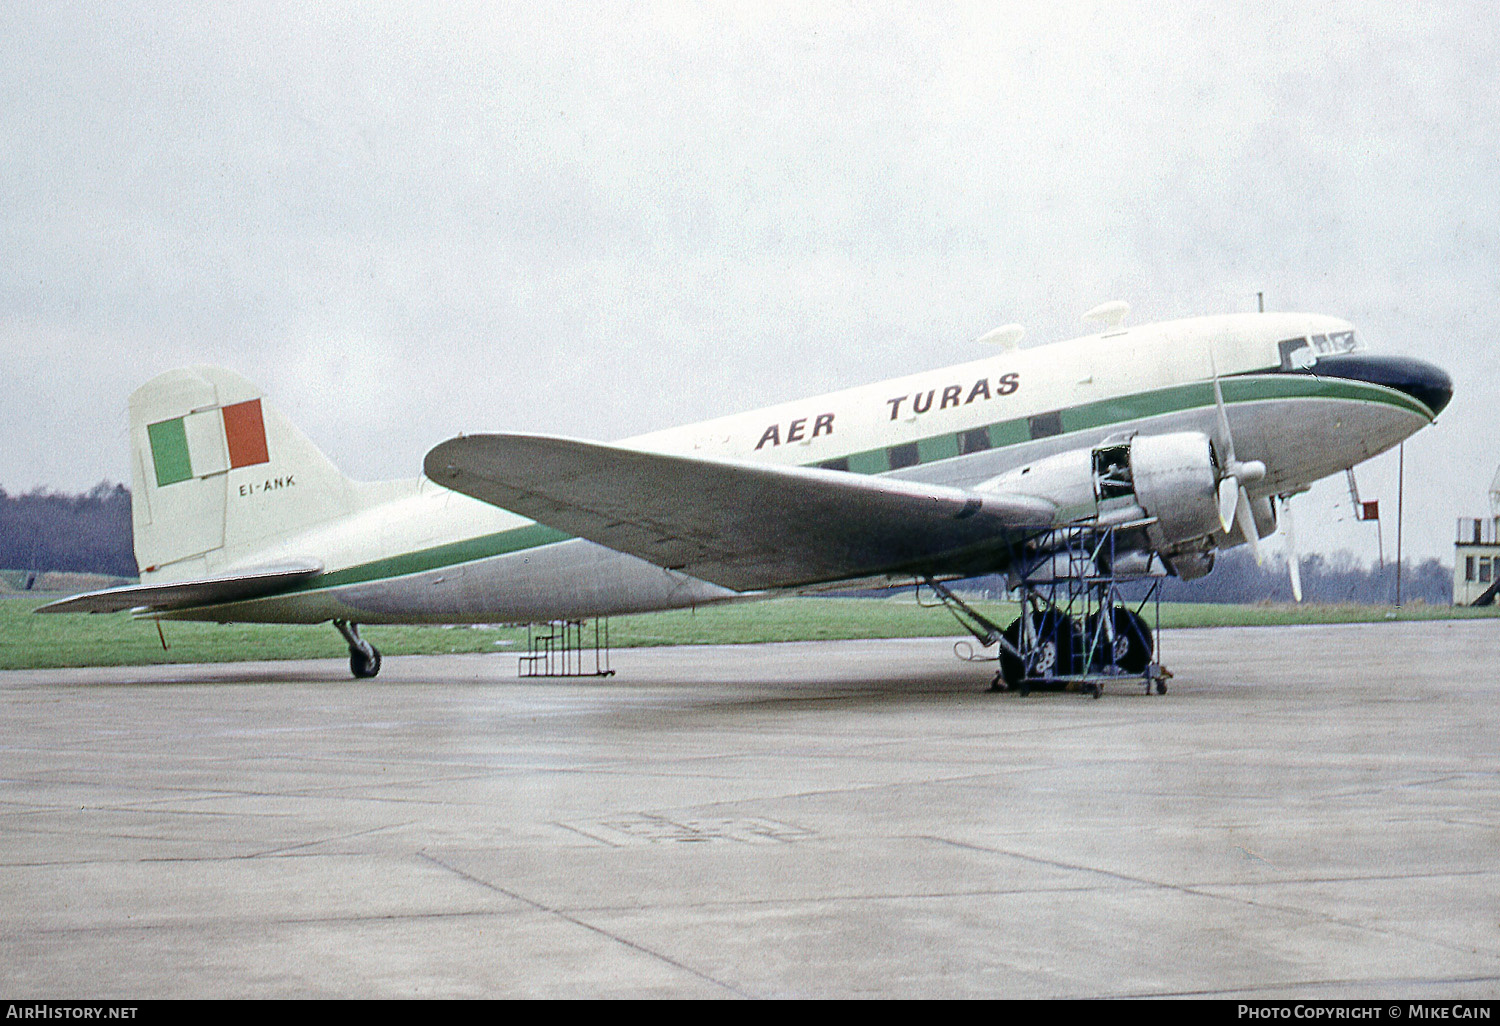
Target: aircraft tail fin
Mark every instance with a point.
(219, 473)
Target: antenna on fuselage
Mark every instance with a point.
(1005, 338)
(1113, 314)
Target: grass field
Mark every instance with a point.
(33, 642)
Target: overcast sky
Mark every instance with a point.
(407, 220)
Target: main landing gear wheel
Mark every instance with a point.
(364, 658)
(1048, 648)
(1133, 644)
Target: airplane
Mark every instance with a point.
(1177, 434)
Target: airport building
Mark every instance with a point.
(1476, 561)
(1476, 555)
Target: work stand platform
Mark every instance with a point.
(562, 648)
(1077, 629)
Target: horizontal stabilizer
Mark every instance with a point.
(207, 591)
(746, 526)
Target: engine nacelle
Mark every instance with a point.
(1066, 480)
(1169, 477)
(1176, 482)
(1192, 564)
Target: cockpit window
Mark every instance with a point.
(1302, 353)
(1296, 354)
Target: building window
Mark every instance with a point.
(1468, 568)
(1484, 570)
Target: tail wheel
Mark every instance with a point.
(1133, 643)
(364, 658)
(364, 665)
(1049, 647)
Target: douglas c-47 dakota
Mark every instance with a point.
(1178, 439)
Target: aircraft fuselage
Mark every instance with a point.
(1299, 394)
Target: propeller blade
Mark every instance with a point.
(1224, 435)
(1234, 500)
(1229, 500)
(1293, 557)
(1246, 518)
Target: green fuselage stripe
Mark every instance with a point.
(467, 551)
(1141, 405)
(1105, 413)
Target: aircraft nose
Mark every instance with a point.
(1434, 387)
(1427, 383)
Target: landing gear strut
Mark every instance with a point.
(364, 658)
(1076, 629)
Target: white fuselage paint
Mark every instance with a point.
(1299, 439)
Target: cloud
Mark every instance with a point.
(405, 220)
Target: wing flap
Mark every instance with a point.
(206, 591)
(745, 526)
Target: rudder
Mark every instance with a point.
(219, 473)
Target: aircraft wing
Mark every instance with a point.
(203, 592)
(746, 526)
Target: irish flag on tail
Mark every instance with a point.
(208, 442)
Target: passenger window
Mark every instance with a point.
(977, 440)
(1045, 425)
(904, 456)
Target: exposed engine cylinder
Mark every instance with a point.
(1171, 477)
(1175, 481)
